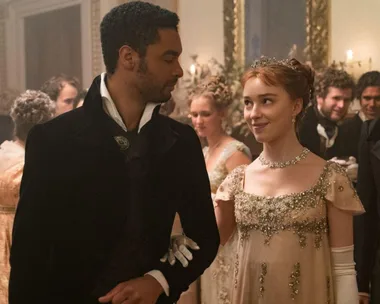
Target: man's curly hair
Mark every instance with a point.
(369, 79)
(332, 77)
(135, 24)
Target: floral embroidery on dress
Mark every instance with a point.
(303, 214)
(264, 271)
(294, 280)
(328, 285)
(270, 215)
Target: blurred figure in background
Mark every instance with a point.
(209, 104)
(368, 93)
(79, 99)
(6, 124)
(319, 131)
(29, 109)
(62, 89)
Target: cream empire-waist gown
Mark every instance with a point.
(283, 251)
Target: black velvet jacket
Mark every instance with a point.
(88, 218)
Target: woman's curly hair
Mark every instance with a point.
(216, 89)
(29, 109)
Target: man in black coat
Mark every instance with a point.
(102, 183)
(368, 93)
(320, 131)
(367, 226)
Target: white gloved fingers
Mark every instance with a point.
(341, 162)
(191, 244)
(353, 166)
(352, 172)
(188, 255)
(179, 256)
(164, 258)
(171, 257)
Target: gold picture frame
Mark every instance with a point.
(317, 16)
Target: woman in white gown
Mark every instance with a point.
(208, 110)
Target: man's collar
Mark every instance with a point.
(362, 116)
(110, 107)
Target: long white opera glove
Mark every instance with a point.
(178, 250)
(346, 289)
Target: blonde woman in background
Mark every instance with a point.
(29, 109)
(209, 104)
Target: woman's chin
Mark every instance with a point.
(260, 138)
(202, 134)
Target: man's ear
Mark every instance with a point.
(128, 57)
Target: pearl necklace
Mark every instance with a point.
(280, 165)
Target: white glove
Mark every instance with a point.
(344, 274)
(341, 162)
(352, 172)
(351, 166)
(178, 250)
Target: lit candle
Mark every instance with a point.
(192, 69)
(349, 55)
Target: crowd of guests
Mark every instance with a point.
(325, 128)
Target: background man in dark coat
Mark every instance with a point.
(319, 131)
(367, 226)
(368, 93)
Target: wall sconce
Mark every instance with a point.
(349, 56)
(354, 67)
(193, 69)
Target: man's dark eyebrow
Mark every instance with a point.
(171, 52)
(371, 96)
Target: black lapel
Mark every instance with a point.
(374, 130)
(157, 136)
(95, 132)
(374, 137)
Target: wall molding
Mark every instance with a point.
(17, 11)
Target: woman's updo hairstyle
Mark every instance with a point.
(29, 109)
(216, 89)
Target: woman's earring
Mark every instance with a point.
(293, 120)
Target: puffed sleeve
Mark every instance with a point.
(341, 192)
(227, 189)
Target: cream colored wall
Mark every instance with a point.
(355, 25)
(201, 30)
